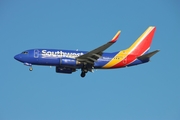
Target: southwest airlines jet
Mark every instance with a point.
(68, 61)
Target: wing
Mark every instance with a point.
(95, 54)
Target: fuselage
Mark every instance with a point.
(59, 57)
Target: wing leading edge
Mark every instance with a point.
(95, 54)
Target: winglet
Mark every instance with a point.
(115, 37)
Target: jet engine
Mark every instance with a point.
(65, 70)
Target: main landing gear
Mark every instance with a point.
(83, 74)
(84, 71)
(85, 68)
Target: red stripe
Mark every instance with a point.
(125, 61)
(144, 45)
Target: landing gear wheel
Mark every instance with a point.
(83, 74)
(30, 69)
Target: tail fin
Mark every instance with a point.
(143, 43)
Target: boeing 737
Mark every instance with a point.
(68, 61)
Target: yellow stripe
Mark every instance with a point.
(124, 53)
(118, 58)
(116, 35)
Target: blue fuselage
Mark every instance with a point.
(54, 57)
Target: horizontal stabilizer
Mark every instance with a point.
(148, 55)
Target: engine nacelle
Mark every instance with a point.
(69, 62)
(65, 70)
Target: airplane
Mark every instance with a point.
(68, 61)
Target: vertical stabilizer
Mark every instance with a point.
(143, 43)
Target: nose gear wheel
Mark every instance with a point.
(30, 69)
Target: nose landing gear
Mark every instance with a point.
(30, 69)
(30, 65)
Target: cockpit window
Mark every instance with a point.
(25, 52)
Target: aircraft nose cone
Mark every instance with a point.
(16, 57)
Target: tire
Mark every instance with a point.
(30, 69)
(83, 74)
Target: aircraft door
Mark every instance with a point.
(125, 60)
(124, 57)
(36, 53)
